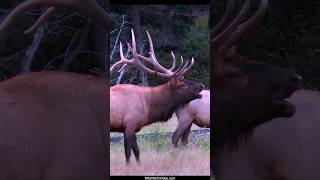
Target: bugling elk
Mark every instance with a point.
(195, 112)
(53, 124)
(247, 94)
(286, 147)
(132, 107)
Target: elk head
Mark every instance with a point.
(246, 93)
(182, 87)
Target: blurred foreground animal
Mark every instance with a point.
(246, 93)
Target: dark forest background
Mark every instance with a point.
(68, 42)
(182, 29)
(288, 36)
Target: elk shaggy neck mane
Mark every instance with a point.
(164, 101)
(231, 131)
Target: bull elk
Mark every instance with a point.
(195, 112)
(53, 124)
(132, 107)
(247, 93)
(284, 148)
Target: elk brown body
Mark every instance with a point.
(132, 107)
(247, 93)
(195, 112)
(284, 148)
(53, 126)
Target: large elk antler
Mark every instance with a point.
(89, 8)
(159, 70)
(225, 37)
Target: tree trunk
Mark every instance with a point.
(98, 38)
(135, 15)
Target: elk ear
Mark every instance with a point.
(177, 82)
(236, 76)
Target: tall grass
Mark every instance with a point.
(182, 161)
(159, 158)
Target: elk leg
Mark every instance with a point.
(182, 126)
(185, 135)
(135, 149)
(128, 139)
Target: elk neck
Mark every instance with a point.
(163, 101)
(232, 128)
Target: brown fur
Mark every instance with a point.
(195, 112)
(133, 107)
(53, 126)
(289, 147)
(246, 93)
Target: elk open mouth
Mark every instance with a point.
(284, 108)
(198, 96)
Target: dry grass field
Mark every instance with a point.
(158, 158)
(188, 161)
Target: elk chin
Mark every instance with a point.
(198, 96)
(283, 108)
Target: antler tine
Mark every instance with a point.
(226, 18)
(245, 27)
(218, 41)
(126, 61)
(167, 73)
(89, 8)
(41, 20)
(13, 15)
(154, 59)
(135, 61)
(123, 60)
(188, 68)
(181, 65)
(135, 58)
(174, 62)
(182, 68)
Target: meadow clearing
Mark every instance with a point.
(159, 158)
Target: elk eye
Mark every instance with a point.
(237, 77)
(185, 86)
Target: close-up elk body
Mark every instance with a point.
(195, 112)
(132, 107)
(285, 148)
(53, 124)
(246, 93)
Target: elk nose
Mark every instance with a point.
(297, 80)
